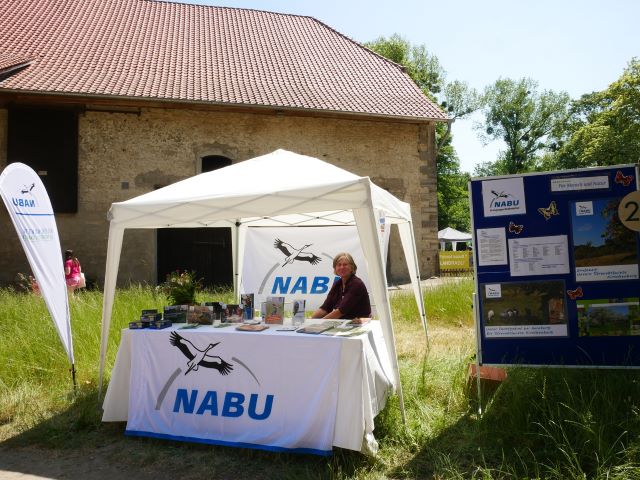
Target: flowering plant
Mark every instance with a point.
(181, 287)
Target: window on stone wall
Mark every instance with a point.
(214, 162)
(46, 139)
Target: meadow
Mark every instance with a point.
(539, 423)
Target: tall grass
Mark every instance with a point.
(540, 423)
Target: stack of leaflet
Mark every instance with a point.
(150, 319)
(176, 313)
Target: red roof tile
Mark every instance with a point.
(9, 63)
(172, 51)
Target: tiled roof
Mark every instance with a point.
(10, 62)
(178, 52)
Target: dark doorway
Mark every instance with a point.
(207, 251)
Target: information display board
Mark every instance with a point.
(557, 267)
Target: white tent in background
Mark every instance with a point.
(452, 235)
(278, 189)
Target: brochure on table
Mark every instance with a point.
(557, 280)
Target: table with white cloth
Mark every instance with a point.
(273, 390)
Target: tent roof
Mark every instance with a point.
(452, 235)
(280, 188)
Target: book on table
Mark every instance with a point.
(245, 327)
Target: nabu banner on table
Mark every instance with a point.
(235, 390)
(297, 262)
(30, 210)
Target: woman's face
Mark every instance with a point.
(343, 268)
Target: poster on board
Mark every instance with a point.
(524, 309)
(604, 250)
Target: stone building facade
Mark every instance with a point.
(125, 154)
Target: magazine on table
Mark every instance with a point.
(359, 321)
(316, 328)
(274, 311)
(297, 311)
(246, 302)
(234, 313)
(201, 314)
(218, 309)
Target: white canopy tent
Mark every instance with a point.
(452, 235)
(278, 189)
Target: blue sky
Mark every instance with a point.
(576, 46)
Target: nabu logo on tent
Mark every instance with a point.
(292, 253)
(301, 285)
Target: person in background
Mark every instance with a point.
(348, 297)
(72, 271)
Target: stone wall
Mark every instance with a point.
(122, 155)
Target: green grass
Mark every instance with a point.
(540, 423)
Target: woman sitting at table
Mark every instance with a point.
(348, 297)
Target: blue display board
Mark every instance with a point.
(557, 272)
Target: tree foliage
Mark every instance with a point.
(603, 128)
(516, 113)
(423, 67)
(457, 100)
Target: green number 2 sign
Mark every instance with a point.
(629, 211)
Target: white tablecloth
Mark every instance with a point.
(363, 382)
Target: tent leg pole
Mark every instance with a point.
(73, 376)
(401, 398)
(474, 304)
(479, 386)
(426, 333)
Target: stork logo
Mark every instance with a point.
(199, 357)
(501, 199)
(292, 253)
(28, 189)
(22, 201)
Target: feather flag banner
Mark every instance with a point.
(30, 210)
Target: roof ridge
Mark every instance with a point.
(220, 7)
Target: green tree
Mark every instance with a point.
(603, 128)
(516, 113)
(423, 67)
(455, 98)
